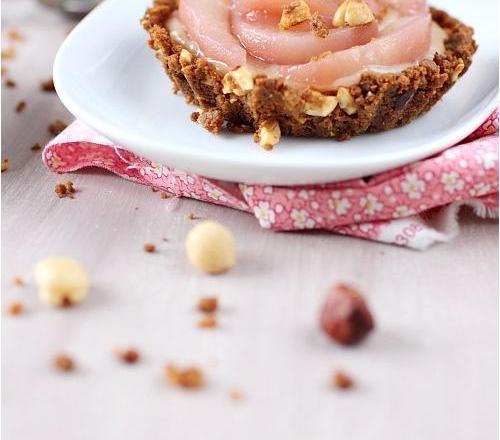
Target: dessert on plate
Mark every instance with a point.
(326, 68)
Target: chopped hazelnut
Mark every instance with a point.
(269, 134)
(48, 85)
(129, 356)
(56, 127)
(191, 377)
(458, 70)
(64, 363)
(318, 104)
(239, 81)
(185, 58)
(211, 247)
(65, 189)
(207, 321)
(342, 380)
(346, 101)
(21, 106)
(62, 281)
(353, 13)
(293, 14)
(5, 165)
(15, 309)
(345, 317)
(318, 27)
(149, 248)
(208, 304)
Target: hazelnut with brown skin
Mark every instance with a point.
(345, 316)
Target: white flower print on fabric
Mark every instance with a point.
(487, 159)
(480, 189)
(301, 219)
(452, 182)
(246, 190)
(340, 205)
(214, 193)
(413, 186)
(370, 204)
(264, 214)
(186, 178)
(303, 194)
(403, 211)
(267, 190)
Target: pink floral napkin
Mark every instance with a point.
(414, 206)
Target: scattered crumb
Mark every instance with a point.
(56, 127)
(239, 128)
(165, 195)
(208, 304)
(5, 165)
(342, 380)
(15, 309)
(129, 356)
(21, 106)
(4, 70)
(195, 116)
(192, 216)
(191, 377)
(15, 35)
(10, 83)
(165, 239)
(36, 147)
(318, 27)
(321, 56)
(235, 394)
(65, 189)
(48, 85)
(18, 281)
(64, 363)
(207, 321)
(149, 247)
(8, 54)
(154, 189)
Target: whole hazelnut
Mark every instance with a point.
(345, 316)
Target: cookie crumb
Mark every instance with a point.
(195, 116)
(208, 304)
(65, 189)
(8, 54)
(192, 216)
(153, 189)
(48, 85)
(15, 35)
(342, 380)
(18, 281)
(64, 363)
(128, 356)
(5, 165)
(318, 28)
(10, 83)
(207, 321)
(56, 127)
(15, 309)
(36, 147)
(191, 377)
(149, 248)
(165, 195)
(21, 106)
(235, 394)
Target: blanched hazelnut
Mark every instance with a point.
(239, 82)
(269, 134)
(61, 281)
(346, 101)
(211, 247)
(353, 13)
(185, 57)
(458, 70)
(318, 104)
(295, 13)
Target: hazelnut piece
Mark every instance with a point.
(239, 82)
(269, 134)
(346, 101)
(318, 104)
(345, 316)
(353, 13)
(295, 13)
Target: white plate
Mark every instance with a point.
(107, 76)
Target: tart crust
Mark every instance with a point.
(383, 101)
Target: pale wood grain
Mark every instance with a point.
(430, 371)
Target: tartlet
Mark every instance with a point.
(271, 106)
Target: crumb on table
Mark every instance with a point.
(342, 380)
(191, 377)
(64, 363)
(15, 309)
(149, 248)
(48, 85)
(21, 106)
(5, 165)
(208, 304)
(65, 189)
(207, 321)
(56, 127)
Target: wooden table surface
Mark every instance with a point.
(429, 371)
